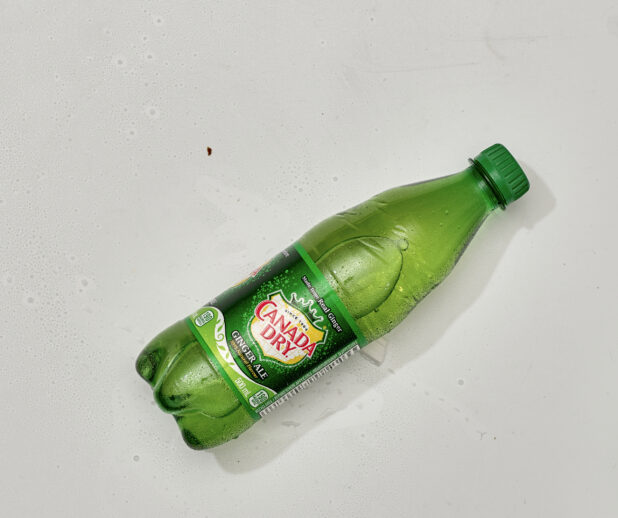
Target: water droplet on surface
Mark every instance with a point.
(136, 458)
(403, 244)
(152, 112)
(460, 381)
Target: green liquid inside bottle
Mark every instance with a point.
(380, 257)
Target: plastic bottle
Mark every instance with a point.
(349, 280)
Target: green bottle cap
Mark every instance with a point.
(503, 173)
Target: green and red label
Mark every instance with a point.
(277, 331)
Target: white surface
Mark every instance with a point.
(498, 395)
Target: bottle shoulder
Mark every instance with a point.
(385, 254)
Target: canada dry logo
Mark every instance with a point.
(283, 332)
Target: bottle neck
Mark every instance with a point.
(477, 180)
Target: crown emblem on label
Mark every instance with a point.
(283, 331)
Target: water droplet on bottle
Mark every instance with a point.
(403, 244)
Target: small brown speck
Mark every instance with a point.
(209, 150)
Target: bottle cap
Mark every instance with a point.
(503, 173)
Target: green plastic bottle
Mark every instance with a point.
(346, 282)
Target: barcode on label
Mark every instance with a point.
(328, 367)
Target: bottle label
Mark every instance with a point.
(277, 331)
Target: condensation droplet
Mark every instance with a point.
(460, 381)
(403, 244)
(136, 458)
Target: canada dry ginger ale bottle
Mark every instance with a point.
(346, 282)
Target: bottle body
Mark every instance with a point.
(384, 255)
(380, 258)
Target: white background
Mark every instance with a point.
(498, 396)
